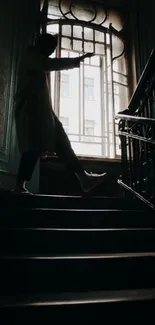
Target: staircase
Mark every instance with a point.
(73, 258)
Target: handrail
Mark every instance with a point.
(136, 119)
(147, 73)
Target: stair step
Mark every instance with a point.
(79, 306)
(76, 218)
(28, 274)
(77, 298)
(64, 258)
(54, 201)
(63, 241)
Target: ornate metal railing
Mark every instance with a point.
(137, 136)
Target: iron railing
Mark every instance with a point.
(137, 137)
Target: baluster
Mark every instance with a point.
(131, 182)
(124, 160)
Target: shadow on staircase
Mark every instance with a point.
(70, 257)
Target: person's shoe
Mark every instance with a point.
(21, 190)
(126, 111)
(88, 181)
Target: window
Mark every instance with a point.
(89, 89)
(65, 123)
(89, 130)
(64, 87)
(87, 98)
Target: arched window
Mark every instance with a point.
(89, 97)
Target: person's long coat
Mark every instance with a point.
(33, 107)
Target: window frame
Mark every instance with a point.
(112, 86)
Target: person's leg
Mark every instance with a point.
(65, 152)
(25, 170)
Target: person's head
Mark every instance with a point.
(46, 44)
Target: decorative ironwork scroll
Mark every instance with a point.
(137, 137)
(92, 9)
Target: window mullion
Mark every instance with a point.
(102, 107)
(83, 100)
(112, 97)
(107, 101)
(83, 90)
(80, 91)
(58, 76)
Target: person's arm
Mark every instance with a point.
(38, 62)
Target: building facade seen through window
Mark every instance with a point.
(86, 99)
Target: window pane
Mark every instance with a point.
(66, 43)
(95, 60)
(53, 10)
(88, 47)
(66, 30)
(77, 46)
(99, 36)
(64, 54)
(77, 32)
(88, 34)
(99, 49)
(89, 130)
(120, 97)
(119, 65)
(118, 46)
(64, 87)
(118, 77)
(92, 94)
(65, 123)
(84, 12)
(88, 89)
(70, 101)
(53, 28)
(89, 82)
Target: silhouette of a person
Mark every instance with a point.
(38, 128)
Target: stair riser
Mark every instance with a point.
(73, 312)
(75, 242)
(25, 276)
(70, 202)
(76, 219)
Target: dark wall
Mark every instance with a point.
(18, 21)
(143, 24)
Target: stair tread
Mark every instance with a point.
(70, 210)
(45, 200)
(44, 220)
(75, 219)
(78, 256)
(75, 230)
(77, 298)
(80, 213)
(59, 196)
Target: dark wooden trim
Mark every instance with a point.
(146, 75)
